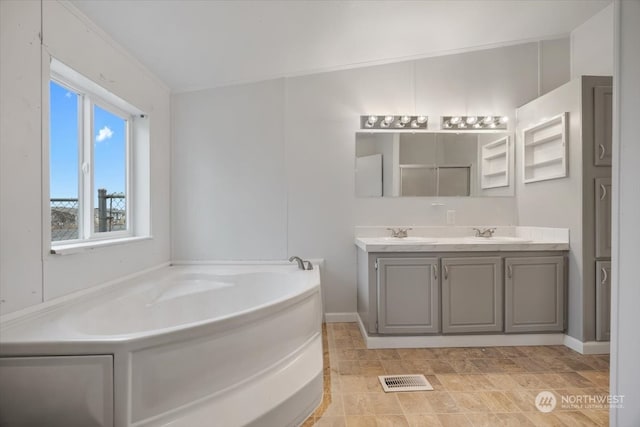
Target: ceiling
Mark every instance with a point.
(201, 44)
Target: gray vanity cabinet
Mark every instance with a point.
(408, 294)
(603, 300)
(534, 294)
(472, 289)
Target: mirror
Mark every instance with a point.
(434, 164)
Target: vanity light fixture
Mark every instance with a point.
(474, 122)
(397, 122)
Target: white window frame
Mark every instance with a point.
(91, 95)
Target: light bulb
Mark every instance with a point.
(487, 120)
(477, 126)
(384, 124)
(388, 119)
(471, 120)
(405, 119)
(504, 119)
(372, 120)
(368, 124)
(399, 124)
(414, 124)
(462, 125)
(492, 125)
(455, 120)
(422, 119)
(447, 125)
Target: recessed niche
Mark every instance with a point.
(545, 150)
(495, 164)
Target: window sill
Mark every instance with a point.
(94, 244)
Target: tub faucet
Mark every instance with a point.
(302, 264)
(400, 232)
(487, 232)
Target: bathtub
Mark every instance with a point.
(197, 345)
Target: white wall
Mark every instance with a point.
(625, 344)
(557, 202)
(229, 174)
(304, 129)
(29, 274)
(592, 46)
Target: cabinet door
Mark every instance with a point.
(534, 294)
(408, 295)
(603, 300)
(603, 217)
(602, 122)
(472, 291)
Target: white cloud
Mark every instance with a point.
(104, 133)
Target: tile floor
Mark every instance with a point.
(493, 386)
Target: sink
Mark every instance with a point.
(406, 240)
(496, 239)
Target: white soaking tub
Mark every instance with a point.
(200, 345)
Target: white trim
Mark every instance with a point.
(87, 245)
(588, 347)
(435, 341)
(340, 317)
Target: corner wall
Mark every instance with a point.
(29, 274)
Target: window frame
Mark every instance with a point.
(87, 101)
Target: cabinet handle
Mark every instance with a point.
(603, 191)
(604, 276)
(435, 271)
(603, 151)
(509, 271)
(446, 272)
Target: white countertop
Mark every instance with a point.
(435, 239)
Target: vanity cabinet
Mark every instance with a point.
(534, 294)
(603, 300)
(409, 296)
(472, 289)
(429, 293)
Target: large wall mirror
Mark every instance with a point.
(434, 164)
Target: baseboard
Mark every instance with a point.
(588, 347)
(434, 341)
(340, 317)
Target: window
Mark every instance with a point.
(90, 151)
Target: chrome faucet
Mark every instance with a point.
(302, 264)
(400, 232)
(486, 232)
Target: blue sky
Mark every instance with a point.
(109, 146)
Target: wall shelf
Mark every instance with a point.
(494, 166)
(545, 150)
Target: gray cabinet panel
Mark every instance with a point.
(603, 300)
(534, 294)
(472, 290)
(408, 295)
(603, 217)
(602, 121)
